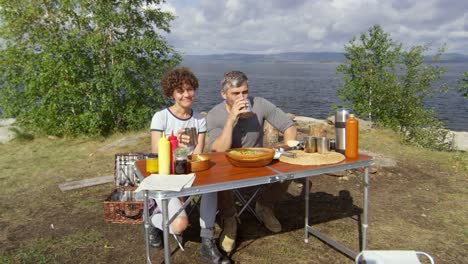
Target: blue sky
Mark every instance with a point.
(272, 26)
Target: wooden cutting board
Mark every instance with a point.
(303, 158)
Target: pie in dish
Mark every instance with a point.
(303, 158)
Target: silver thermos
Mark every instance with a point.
(340, 118)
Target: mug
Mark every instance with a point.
(192, 133)
(323, 145)
(248, 107)
(310, 144)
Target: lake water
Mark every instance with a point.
(310, 89)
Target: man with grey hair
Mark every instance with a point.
(232, 125)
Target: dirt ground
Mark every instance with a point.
(400, 218)
(412, 205)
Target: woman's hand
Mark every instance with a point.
(183, 138)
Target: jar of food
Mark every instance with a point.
(152, 163)
(181, 162)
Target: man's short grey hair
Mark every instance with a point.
(233, 79)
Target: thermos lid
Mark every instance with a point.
(341, 114)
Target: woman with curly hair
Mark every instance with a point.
(180, 85)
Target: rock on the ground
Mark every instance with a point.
(330, 121)
(5, 133)
(460, 140)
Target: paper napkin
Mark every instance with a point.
(163, 182)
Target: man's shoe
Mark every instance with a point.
(155, 237)
(229, 235)
(210, 252)
(266, 215)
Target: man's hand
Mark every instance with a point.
(238, 108)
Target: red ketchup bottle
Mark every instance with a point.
(174, 144)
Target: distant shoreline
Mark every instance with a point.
(460, 138)
(304, 57)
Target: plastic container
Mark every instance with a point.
(352, 138)
(164, 159)
(174, 144)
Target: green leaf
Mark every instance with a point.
(388, 85)
(83, 67)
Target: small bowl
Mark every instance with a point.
(250, 157)
(199, 162)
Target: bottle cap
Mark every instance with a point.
(351, 116)
(152, 155)
(172, 137)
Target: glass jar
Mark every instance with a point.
(181, 162)
(152, 163)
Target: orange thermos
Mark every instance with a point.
(352, 138)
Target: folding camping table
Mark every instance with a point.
(224, 176)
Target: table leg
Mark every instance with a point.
(364, 222)
(165, 221)
(146, 223)
(306, 217)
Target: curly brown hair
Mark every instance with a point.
(176, 78)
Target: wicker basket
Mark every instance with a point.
(123, 212)
(120, 207)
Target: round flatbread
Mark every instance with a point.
(303, 158)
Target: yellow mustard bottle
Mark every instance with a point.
(164, 158)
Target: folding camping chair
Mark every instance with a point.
(246, 203)
(391, 257)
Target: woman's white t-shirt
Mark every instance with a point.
(165, 121)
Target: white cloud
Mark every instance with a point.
(250, 26)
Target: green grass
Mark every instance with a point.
(48, 250)
(387, 142)
(31, 201)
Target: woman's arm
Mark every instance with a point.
(224, 140)
(155, 136)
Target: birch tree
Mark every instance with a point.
(389, 84)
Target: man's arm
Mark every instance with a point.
(200, 145)
(224, 141)
(289, 134)
(279, 120)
